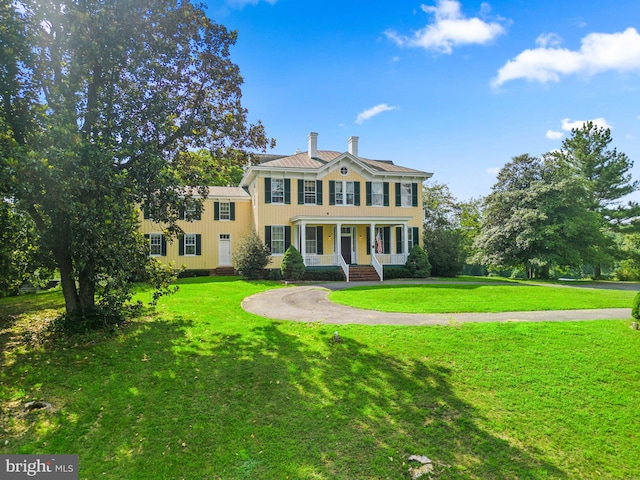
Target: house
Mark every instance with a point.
(338, 209)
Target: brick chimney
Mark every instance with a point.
(313, 145)
(353, 146)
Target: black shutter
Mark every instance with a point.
(416, 236)
(287, 237)
(318, 192)
(399, 242)
(198, 244)
(232, 211)
(368, 193)
(145, 212)
(267, 190)
(181, 245)
(300, 192)
(414, 194)
(267, 236)
(386, 240)
(164, 246)
(216, 210)
(332, 192)
(385, 189)
(369, 240)
(356, 193)
(287, 191)
(319, 240)
(181, 213)
(398, 196)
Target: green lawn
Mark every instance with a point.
(203, 389)
(448, 298)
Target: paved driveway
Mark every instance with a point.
(311, 304)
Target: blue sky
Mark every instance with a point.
(456, 88)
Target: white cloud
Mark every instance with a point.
(548, 40)
(449, 29)
(568, 124)
(373, 111)
(553, 135)
(493, 171)
(599, 52)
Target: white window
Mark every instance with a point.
(345, 193)
(311, 240)
(277, 240)
(310, 191)
(410, 237)
(155, 244)
(405, 193)
(225, 211)
(377, 194)
(190, 244)
(277, 190)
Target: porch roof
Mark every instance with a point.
(347, 220)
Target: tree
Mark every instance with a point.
(252, 256)
(418, 263)
(536, 216)
(292, 264)
(100, 100)
(607, 180)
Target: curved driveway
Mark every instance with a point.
(311, 304)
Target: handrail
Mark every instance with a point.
(344, 266)
(377, 266)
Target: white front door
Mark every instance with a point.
(224, 250)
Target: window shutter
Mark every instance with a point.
(356, 193)
(198, 244)
(414, 194)
(385, 189)
(181, 213)
(147, 238)
(398, 195)
(287, 191)
(399, 243)
(181, 245)
(318, 192)
(386, 241)
(332, 192)
(164, 246)
(267, 236)
(216, 210)
(369, 240)
(415, 235)
(232, 211)
(287, 237)
(198, 215)
(319, 240)
(267, 190)
(145, 212)
(368, 193)
(300, 192)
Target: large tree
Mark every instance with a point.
(607, 179)
(100, 100)
(536, 217)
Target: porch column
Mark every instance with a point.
(372, 240)
(405, 239)
(303, 241)
(338, 241)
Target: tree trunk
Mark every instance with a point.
(597, 272)
(68, 283)
(87, 290)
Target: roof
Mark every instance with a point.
(227, 192)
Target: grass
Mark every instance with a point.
(448, 298)
(202, 389)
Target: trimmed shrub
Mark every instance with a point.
(292, 264)
(635, 307)
(251, 257)
(418, 265)
(323, 275)
(395, 272)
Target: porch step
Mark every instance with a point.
(363, 273)
(224, 271)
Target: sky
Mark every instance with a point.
(456, 88)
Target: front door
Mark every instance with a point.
(224, 250)
(345, 245)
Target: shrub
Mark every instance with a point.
(635, 307)
(251, 257)
(418, 263)
(324, 275)
(292, 264)
(395, 272)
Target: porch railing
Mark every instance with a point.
(391, 258)
(344, 266)
(376, 264)
(328, 260)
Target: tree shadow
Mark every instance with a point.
(170, 399)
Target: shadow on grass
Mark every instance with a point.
(173, 400)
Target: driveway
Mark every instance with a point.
(311, 304)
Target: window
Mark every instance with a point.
(310, 191)
(277, 240)
(155, 245)
(190, 244)
(311, 240)
(345, 193)
(405, 192)
(225, 211)
(277, 190)
(344, 171)
(377, 194)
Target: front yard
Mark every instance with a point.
(202, 389)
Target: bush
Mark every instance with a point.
(324, 275)
(292, 264)
(395, 272)
(251, 257)
(635, 307)
(193, 273)
(418, 265)
(274, 274)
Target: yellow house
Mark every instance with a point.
(337, 209)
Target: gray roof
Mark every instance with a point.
(228, 192)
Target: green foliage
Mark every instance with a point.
(395, 272)
(418, 265)
(323, 275)
(635, 307)
(251, 256)
(292, 264)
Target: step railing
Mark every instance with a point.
(378, 267)
(344, 266)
